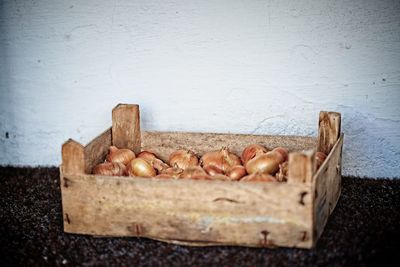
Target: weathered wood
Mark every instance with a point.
(96, 150)
(126, 127)
(164, 143)
(327, 188)
(222, 212)
(301, 167)
(200, 212)
(328, 130)
(73, 157)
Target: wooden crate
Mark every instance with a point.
(202, 212)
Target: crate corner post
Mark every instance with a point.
(302, 167)
(73, 157)
(126, 127)
(328, 179)
(328, 130)
(73, 163)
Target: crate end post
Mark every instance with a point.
(126, 127)
(328, 130)
(73, 157)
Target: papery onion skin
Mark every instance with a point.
(159, 165)
(141, 168)
(123, 155)
(283, 152)
(151, 158)
(230, 159)
(258, 177)
(174, 172)
(146, 155)
(265, 163)
(212, 170)
(281, 175)
(236, 172)
(183, 159)
(252, 151)
(213, 158)
(195, 173)
(223, 159)
(110, 169)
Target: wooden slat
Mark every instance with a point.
(73, 157)
(301, 167)
(126, 127)
(96, 150)
(194, 211)
(328, 131)
(327, 188)
(164, 143)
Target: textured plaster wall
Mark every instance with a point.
(263, 67)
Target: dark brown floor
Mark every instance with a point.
(363, 230)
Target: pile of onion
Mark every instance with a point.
(110, 169)
(183, 159)
(223, 165)
(123, 162)
(268, 162)
(256, 164)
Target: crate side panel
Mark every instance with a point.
(327, 188)
(96, 150)
(164, 143)
(250, 214)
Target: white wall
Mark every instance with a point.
(265, 67)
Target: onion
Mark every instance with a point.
(222, 159)
(283, 152)
(183, 159)
(236, 172)
(120, 155)
(268, 162)
(195, 173)
(252, 151)
(159, 165)
(155, 162)
(174, 172)
(146, 155)
(281, 175)
(320, 158)
(258, 177)
(110, 169)
(212, 170)
(140, 167)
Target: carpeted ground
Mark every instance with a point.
(363, 230)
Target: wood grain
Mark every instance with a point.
(212, 212)
(301, 166)
(328, 130)
(126, 127)
(73, 157)
(164, 143)
(327, 188)
(96, 150)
